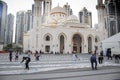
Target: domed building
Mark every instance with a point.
(72, 19)
(54, 31)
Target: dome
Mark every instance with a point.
(72, 18)
(58, 10)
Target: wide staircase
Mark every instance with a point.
(46, 62)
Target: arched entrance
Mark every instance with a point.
(89, 44)
(62, 43)
(77, 43)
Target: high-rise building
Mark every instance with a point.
(24, 22)
(9, 29)
(3, 20)
(112, 17)
(85, 17)
(20, 24)
(28, 21)
(68, 9)
(32, 15)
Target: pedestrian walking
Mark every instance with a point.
(109, 53)
(16, 55)
(10, 55)
(100, 58)
(93, 61)
(27, 60)
(117, 58)
(40, 52)
(29, 53)
(75, 56)
(37, 55)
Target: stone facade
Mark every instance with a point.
(57, 32)
(112, 17)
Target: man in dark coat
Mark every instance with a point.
(10, 55)
(109, 53)
(93, 61)
(27, 60)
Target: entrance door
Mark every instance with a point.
(74, 48)
(77, 43)
(89, 44)
(61, 44)
(47, 48)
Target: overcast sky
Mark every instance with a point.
(76, 5)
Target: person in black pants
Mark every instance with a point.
(10, 55)
(100, 58)
(93, 61)
(109, 54)
(117, 58)
(27, 60)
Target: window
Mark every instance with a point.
(96, 40)
(47, 38)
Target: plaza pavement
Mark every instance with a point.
(48, 62)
